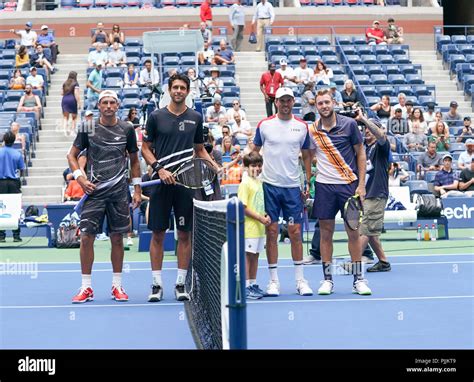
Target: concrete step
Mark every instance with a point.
(53, 190)
(38, 200)
(53, 153)
(52, 145)
(48, 162)
(45, 171)
(46, 180)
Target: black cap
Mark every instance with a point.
(467, 118)
(453, 104)
(410, 103)
(430, 106)
(397, 110)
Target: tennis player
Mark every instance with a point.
(108, 134)
(341, 158)
(174, 134)
(283, 137)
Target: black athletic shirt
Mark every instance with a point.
(377, 170)
(173, 136)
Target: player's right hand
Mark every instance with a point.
(86, 185)
(166, 176)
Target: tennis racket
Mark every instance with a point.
(353, 212)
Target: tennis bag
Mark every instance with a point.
(68, 234)
(427, 205)
(252, 38)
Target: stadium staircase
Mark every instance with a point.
(435, 74)
(45, 180)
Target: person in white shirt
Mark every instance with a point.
(215, 112)
(116, 57)
(303, 73)
(130, 79)
(402, 99)
(237, 20)
(213, 85)
(28, 37)
(287, 73)
(34, 80)
(235, 109)
(96, 55)
(322, 74)
(429, 114)
(240, 127)
(264, 16)
(149, 76)
(465, 159)
(206, 55)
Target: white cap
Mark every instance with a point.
(99, 63)
(108, 93)
(283, 92)
(283, 61)
(44, 27)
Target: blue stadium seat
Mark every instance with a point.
(398, 49)
(171, 61)
(337, 69)
(113, 82)
(359, 69)
(401, 59)
(128, 103)
(413, 99)
(414, 79)
(309, 51)
(459, 39)
(358, 40)
(430, 176)
(442, 40)
(130, 93)
(363, 80)
(8, 54)
(4, 85)
(370, 91)
(306, 41)
(272, 40)
(4, 74)
(417, 186)
(312, 60)
(409, 69)
(421, 90)
(396, 79)
(455, 59)
(133, 60)
(7, 64)
(425, 100)
(463, 49)
(133, 41)
(381, 49)
(349, 50)
(457, 147)
(385, 59)
(13, 95)
(379, 79)
(322, 41)
(330, 60)
(113, 72)
(368, 59)
(375, 69)
(386, 90)
(232, 91)
(470, 39)
(294, 60)
(276, 49)
(327, 51)
(344, 40)
(290, 40)
(354, 60)
(228, 81)
(392, 69)
(373, 100)
(10, 106)
(364, 50)
(339, 79)
(191, 61)
(133, 51)
(292, 50)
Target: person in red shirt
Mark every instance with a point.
(376, 35)
(270, 82)
(206, 13)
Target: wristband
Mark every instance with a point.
(156, 166)
(77, 174)
(136, 181)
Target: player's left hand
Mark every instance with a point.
(360, 190)
(137, 199)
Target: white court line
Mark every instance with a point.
(264, 301)
(174, 261)
(260, 267)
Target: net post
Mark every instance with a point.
(236, 272)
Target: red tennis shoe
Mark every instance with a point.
(118, 294)
(84, 295)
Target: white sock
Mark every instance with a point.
(252, 281)
(181, 276)
(247, 283)
(156, 277)
(86, 281)
(117, 279)
(273, 268)
(299, 274)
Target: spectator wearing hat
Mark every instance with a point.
(336, 94)
(394, 33)
(22, 58)
(303, 73)
(148, 75)
(465, 158)
(28, 36)
(94, 85)
(237, 21)
(215, 112)
(288, 74)
(264, 16)
(466, 180)
(36, 81)
(100, 38)
(30, 102)
(41, 59)
(270, 82)
(213, 85)
(375, 35)
(46, 40)
(308, 103)
(99, 54)
(466, 131)
(446, 182)
(429, 114)
(224, 55)
(452, 115)
(206, 55)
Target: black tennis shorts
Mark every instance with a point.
(163, 199)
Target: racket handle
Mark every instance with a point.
(78, 207)
(150, 183)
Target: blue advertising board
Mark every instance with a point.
(459, 211)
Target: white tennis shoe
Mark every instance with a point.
(326, 288)
(303, 288)
(273, 289)
(361, 287)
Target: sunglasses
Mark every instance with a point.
(235, 104)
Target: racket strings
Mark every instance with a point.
(353, 213)
(196, 174)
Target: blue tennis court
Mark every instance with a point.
(425, 302)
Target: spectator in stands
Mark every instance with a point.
(336, 95)
(130, 79)
(466, 131)
(149, 76)
(100, 38)
(440, 136)
(28, 36)
(250, 146)
(212, 149)
(22, 58)
(116, 57)
(226, 148)
(206, 13)
(226, 132)
(303, 73)
(288, 74)
(11, 162)
(375, 35)
(237, 21)
(452, 115)
(415, 140)
(30, 102)
(41, 59)
(17, 82)
(97, 55)
(264, 16)
(465, 158)
(195, 83)
(132, 117)
(417, 119)
(398, 125)
(446, 182)
(206, 33)
(394, 33)
(213, 85)
(46, 40)
(94, 85)
(466, 180)
(36, 81)
(116, 36)
(429, 161)
(322, 74)
(429, 114)
(73, 192)
(206, 56)
(233, 169)
(235, 109)
(270, 82)
(241, 128)
(396, 175)
(216, 111)
(350, 99)
(409, 105)
(308, 103)
(71, 102)
(224, 55)
(19, 137)
(402, 99)
(437, 117)
(383, 109)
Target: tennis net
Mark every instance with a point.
(216, 312)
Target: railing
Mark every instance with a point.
(440, 30)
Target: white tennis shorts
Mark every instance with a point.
(256, 245)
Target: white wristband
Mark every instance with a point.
(136, 181)
(77, 174)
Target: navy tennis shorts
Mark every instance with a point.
(329, 199)
(283, 199)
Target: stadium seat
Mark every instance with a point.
(459, 39)
(375, 69)
(413, 99)
(379, 79)
(354, 60)
(359, 69)
(330, 60)
(442, 40)
(322, 41)
(309, 51)
(421, 90)
(363, 80)
(414, 79)
(339, 79)
(4, 85)
(358, 40)
(130, 93)
(10, 106)
(327, 51)
(401, 59)
(133, 41)
(385, 59)
(306, 41)
(398, 49)
(417, 186)
(386, 90)
(291, 40)
(133, 51)
(396, 79)
(128, 103)
(373, 100)
(312, 60)
(344, 40)
(293, 50)
(113, 72)
(113, 82)
(370, 91)
(381, 49)
(337, 69)
(368, 59)
(13, 95)
(364, 50)
(409, 69)
(430, 176)
(425, 100)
